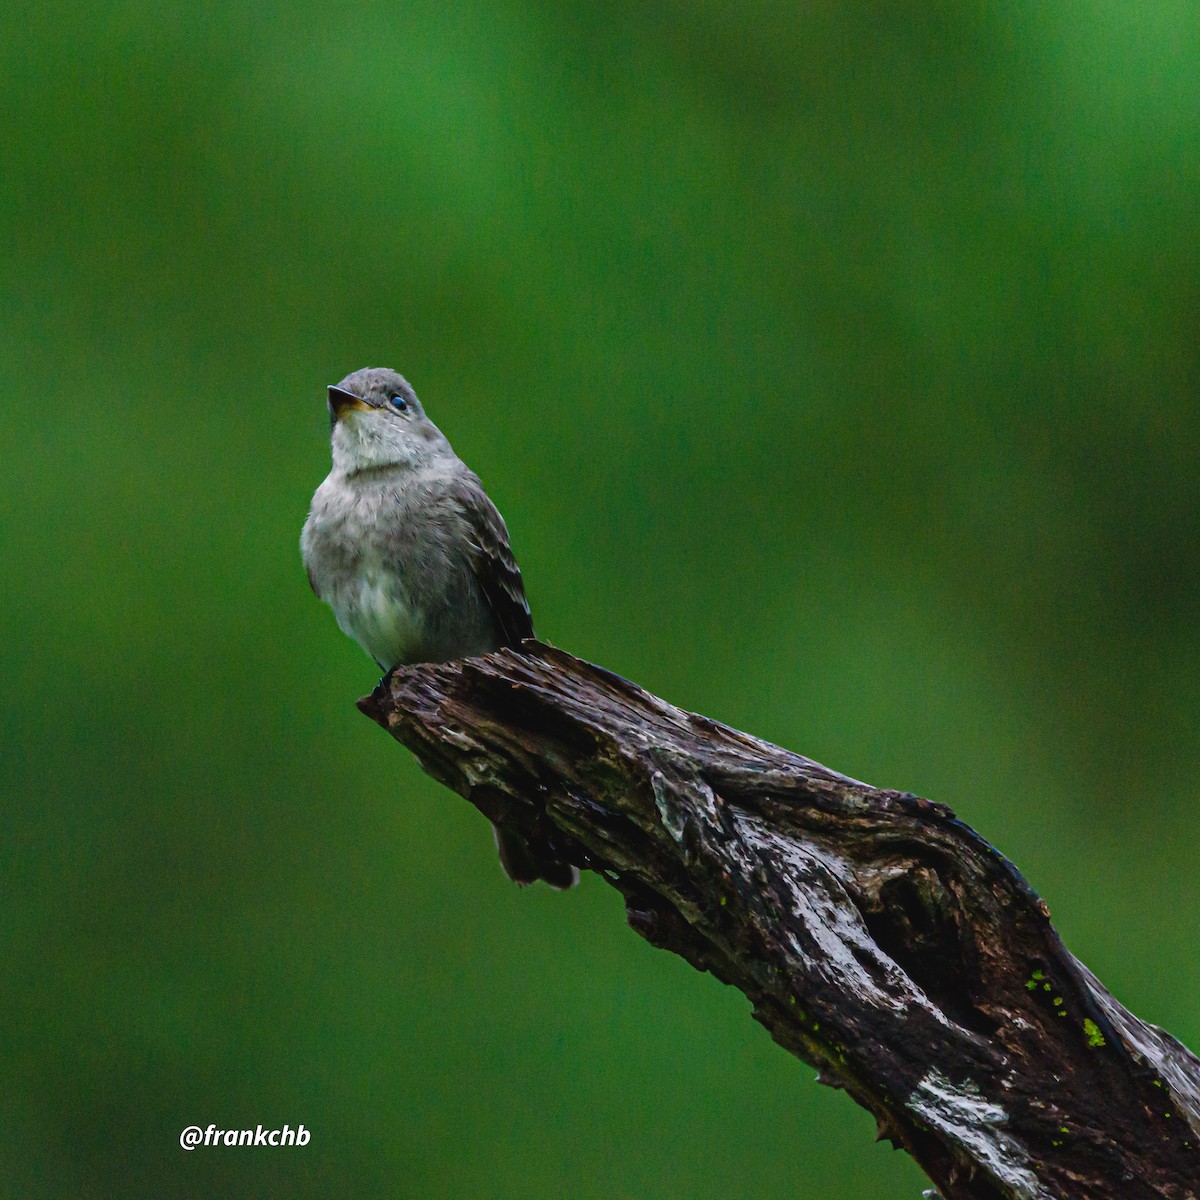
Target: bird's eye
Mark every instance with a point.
(399, 403)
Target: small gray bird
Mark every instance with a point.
(404, 545)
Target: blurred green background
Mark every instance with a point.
(835, 368)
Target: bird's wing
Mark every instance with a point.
(492, 560)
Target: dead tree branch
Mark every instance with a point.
(878, 937)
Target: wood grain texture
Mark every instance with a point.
(877, 936)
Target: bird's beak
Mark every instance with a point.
(341, 401)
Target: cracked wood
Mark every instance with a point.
(878, 937)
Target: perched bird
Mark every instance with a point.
(404, 545)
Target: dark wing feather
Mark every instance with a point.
(492, 561)
(499, 579)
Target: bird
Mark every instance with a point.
(406, 547)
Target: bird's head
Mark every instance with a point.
(377, 421)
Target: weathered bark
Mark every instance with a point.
(878, 937)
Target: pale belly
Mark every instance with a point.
(366, 556)
(371, 609)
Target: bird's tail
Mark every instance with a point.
(524, 863)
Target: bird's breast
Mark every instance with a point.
(395, 573)
(355, 545)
